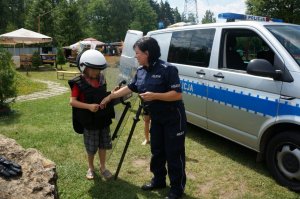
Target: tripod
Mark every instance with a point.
(136, 119)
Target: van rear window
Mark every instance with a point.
(191, 47)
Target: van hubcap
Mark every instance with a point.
(289, 161)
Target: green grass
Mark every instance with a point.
(26, 86)
(216, 168)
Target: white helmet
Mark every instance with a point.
(91, 59)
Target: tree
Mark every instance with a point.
(12, 15)
(176, 15)
(208, 17)
(144, 17)
(67, 23)
(37, 8)
(190, 18)
(95, 19)
(119, 17)
(289, 11)
(3, 13)
(165, 13)
(7, 79)
(60, 57)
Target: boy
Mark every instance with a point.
(88, 90)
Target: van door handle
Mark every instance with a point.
(219, 75)
(201, 72)
(284, 97)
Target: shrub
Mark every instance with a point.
(7, 79)
(36, 59)
(61, 60)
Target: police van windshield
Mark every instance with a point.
(289, 37)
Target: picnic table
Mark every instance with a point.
(48, 59)
(61, 74)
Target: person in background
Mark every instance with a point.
(147, 120)
(158, 85)
(88, 90)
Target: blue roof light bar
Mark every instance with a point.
(234, 16)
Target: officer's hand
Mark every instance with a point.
(104, 102)
(94, 107)
(147, 96)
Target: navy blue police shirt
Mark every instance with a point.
(160, 77)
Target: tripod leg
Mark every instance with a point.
(135, 121)
(127, 106)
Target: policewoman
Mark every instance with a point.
(158, 84)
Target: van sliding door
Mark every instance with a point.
(190, 51)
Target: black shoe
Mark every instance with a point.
(4, 172)
(8, 163)
(172, 195)
(151, 186)
(12, 168)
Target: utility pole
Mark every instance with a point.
(190, 7)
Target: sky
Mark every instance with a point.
(216, 6)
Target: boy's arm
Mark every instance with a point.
(75, 103)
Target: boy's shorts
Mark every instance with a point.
(97, 139)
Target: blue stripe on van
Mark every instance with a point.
(240, 100)
(287, 109)
(248, 102)
(193, 88)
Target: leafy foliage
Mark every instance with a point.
(67, 24)
(7, 78)
(43, 10)
(165, 13)
(69, 21)
(208, 17)
(60, 57)
(144, 17)
(289, 11)
(118, 18)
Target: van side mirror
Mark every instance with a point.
(264, 68)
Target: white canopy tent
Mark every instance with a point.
(23, 36)
(88, 42)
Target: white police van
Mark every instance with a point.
(240, 80)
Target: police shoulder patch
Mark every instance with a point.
(164, 65)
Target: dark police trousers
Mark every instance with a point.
(167, 146)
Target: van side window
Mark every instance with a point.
(191, 47)
(240, 46)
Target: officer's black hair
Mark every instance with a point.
(149, 44)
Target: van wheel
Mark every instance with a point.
(283, 159)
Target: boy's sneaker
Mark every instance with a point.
(106, 174)
(90, 174)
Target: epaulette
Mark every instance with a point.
(164, 65)
(140, 67)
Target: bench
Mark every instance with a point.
(49, 59)
(63, 74)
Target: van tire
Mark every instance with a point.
(283, 159)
